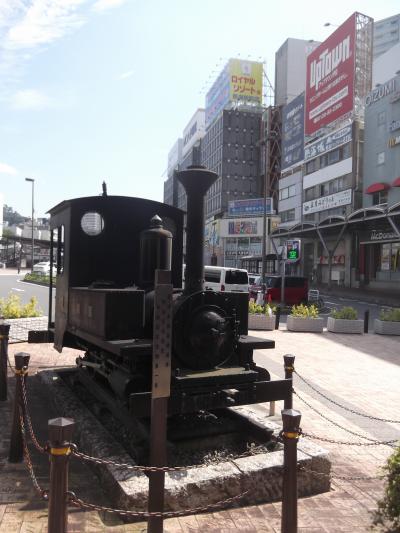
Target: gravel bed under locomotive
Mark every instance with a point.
(107, 249)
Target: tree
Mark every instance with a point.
(11, 216)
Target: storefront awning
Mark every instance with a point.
(377, 187)
(396, 182)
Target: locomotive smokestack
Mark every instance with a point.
(196, 181)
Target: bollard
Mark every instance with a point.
(4, 331)
(290, 435)
(366, 321)
(289, 368)
(60, 434)
(277, 317)
(16, 452)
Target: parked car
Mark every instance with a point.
(252, 279)
(226, 279)
(43, 268)
(296, 289)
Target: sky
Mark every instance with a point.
(94, 90)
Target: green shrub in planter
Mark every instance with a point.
(40, 278)
(304, 311)
(346, 313)
(388, 512)
(255, 309)
(390, 315)
(11, 307)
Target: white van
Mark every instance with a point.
(226, 279)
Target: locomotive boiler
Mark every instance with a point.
(106, 250)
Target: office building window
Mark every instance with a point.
(380, 197)
(288, 216)
(381, 118)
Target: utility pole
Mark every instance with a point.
(33, 214)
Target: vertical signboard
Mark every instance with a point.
(330, 78)
(240, 80)
(245, 80)
(218, 96)
(293, 132)
(293, 250)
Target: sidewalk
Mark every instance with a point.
(361, 372)
(389, 297)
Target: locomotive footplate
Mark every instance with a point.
(216, 376)
(247, 343)
(181, 402)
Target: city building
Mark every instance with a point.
(170, 184)
(1, 214)
(290, 69)
(292, 157)
(331, 164)
(192, 137)
(386, 34)
(380, 242)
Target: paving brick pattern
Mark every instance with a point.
(361, 372)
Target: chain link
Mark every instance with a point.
(99, 461)
(371, 442)
(332, 475)
(27, 417)
(78, 502)
(350, 443)
(10, 365)
(43, 493)
(342, 406)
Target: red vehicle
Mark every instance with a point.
(296, 289)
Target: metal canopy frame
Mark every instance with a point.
(332, 226)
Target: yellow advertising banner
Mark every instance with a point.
(245, 80)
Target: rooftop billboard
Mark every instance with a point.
(293, 132)
(240, 80)
(330, 78)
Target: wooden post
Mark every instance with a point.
(289, 368)
(16, 453)
(161, 382)
(60, 435)
(290, 435)
(4, 332)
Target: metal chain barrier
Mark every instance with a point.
(342, 478)
(38, 446)
(138, 468)
(342, 406)
(372, 442)
(44, 494)
(78, 502)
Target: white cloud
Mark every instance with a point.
(43, 21)
(103, 5)
(126, 75)
(7, 169)
(30, 99)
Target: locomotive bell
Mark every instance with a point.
(155, 251)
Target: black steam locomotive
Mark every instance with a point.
(106, 250)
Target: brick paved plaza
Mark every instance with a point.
(361, 372)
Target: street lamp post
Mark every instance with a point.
(33, 213)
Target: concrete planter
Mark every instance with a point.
(342, 325)
(261, 322)
(313, 325)
(384, 327)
